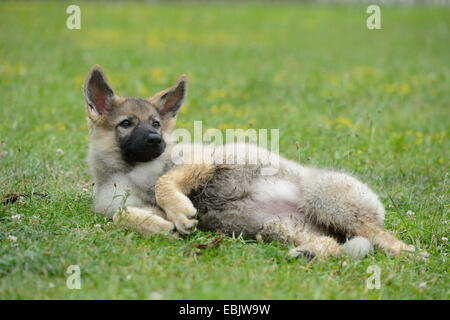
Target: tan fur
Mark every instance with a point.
(305, 238)
(146, 222)
(171, 191)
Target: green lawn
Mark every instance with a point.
(371, 102)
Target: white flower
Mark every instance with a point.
(21, 200)
(60, 151)
(12, 238)
(410, 213)
(422, 285)
(16, 217)
(155, 295)
(444, 239)
(128, 278)
(34, 220)
(51, 285)
(98, 227)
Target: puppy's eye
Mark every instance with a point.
(125, 123)
(156, 124)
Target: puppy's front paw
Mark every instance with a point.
(143, 222)
(182, 213)
(182, 224)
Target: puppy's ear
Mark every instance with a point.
(97, 92)
(169, 101)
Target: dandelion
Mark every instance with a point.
(157, 74)
(214, 109)
(218, 93)
(344, 121)
(390, 88)
(227, 107)
(79, 80)
(404, 88)
(144, 91)
(61, 126)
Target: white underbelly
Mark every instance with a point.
(275, 196)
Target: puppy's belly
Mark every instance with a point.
(268, 199)
(275, 197)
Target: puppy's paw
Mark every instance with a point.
(185, 208)
(182, 214)
(297, 253)
(184, 225)
(411, 251)
(143, 222)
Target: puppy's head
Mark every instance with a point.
(137, 128)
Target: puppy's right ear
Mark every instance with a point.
(98, 93)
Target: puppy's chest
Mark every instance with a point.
(144, 178)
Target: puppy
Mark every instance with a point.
(138, 168)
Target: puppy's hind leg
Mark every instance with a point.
(386, 241)
(340, 202)
(309, 240)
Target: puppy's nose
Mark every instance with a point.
(154, 138)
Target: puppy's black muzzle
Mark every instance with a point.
(143, 144)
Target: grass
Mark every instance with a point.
(371, 102)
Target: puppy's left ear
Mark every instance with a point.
(169, 101)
